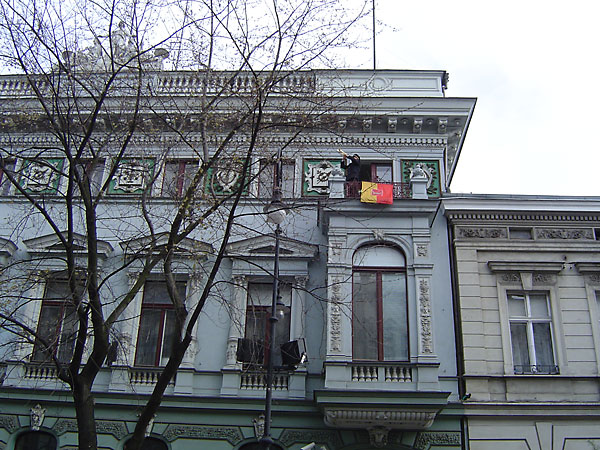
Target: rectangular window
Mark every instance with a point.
(266, 179)
(94, 172)
(258, 311)
(5, 184)
(376, 172)
(379, 317)
(177, 177)
(57, 324)
(531, 333)
(157, 324)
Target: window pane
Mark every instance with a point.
(67, 335)
(383, 173)
(543, 344)
(395, 328)
(364, 316)
(169, 331)
(155, 292)
(287, 184)
(5, 183)
(378, 256)
(539, 305)
(171, 179)
(518, 336)
(148, 337)
(266, 180)
(516, 305)
(47, 329)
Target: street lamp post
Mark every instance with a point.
(275, 214)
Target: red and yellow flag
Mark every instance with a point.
(377, 193)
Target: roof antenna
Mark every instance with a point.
(374, 64)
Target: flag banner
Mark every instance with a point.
(377, 193)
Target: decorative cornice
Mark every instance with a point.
(350, 140)
(369, 418)
(523, 217)
(528, 266)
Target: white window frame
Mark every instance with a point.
(529, 321)
(520, 277)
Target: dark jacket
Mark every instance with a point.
(352, 170)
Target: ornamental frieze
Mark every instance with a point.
(564, 233)
(231, 434)
(117, 429)
(63, 426)
(9, 423)
(428, 439)
(482, 233)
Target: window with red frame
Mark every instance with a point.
(258, 311)
(157, 324)
(379, 304)
(178, 174)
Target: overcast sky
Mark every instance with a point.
(534, 67)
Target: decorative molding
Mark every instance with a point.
(378, 436)
(510, 278)
(335, 317)
(425, 316)
(259, 426)
(117, 429)
(422, 250)
(526, 266)
(63, 426)
(37, 414)
(544, 279)
(482, 233)
(9, 423)
(369, 418)
(523, 217)
(264, 247)
(231, 434)
(426, 440)
(565, 233)
(326, 140)
(330, 438)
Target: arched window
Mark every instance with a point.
(35, 440)
(379, 306)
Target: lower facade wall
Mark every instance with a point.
(543, 433)
(211, 424)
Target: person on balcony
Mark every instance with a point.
(352, 169)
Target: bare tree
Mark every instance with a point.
(88, 90)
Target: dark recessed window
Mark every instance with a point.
(35, 440)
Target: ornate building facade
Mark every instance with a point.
(366, 286)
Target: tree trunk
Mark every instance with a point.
(84, 407)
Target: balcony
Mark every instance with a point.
(536, 370)
(401, 190)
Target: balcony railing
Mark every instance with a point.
(352, 189)
(258, 380)
(536, 369)
(145, 376)
(374, 373)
